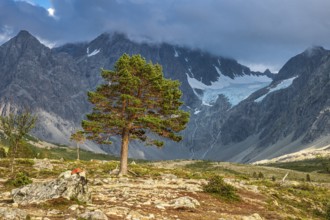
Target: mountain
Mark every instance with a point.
(236, 114)
(203, 76)
(290, 114)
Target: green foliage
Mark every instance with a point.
(319, 164)
(21, 179)
(261, 175)
(23, 150)
(15, 127)
(3, 153)
(78, 137)
(327, 212)
(219, 188)
(134, 101)
(273, 178)
(136, 97)
(255, 175)
(308, 178)
(200, 165)
(145, 170)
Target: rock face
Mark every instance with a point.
(66, 185)
(236, 114)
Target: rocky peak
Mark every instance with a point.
(24, 41)
(314, 51)
(303, 63)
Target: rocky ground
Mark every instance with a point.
(163, 190)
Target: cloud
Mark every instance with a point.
(258, 32)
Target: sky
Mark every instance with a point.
(257, 33)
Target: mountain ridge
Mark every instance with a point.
(234, 111)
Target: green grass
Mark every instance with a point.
(320, 165)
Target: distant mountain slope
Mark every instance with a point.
(236, 114)
(290, 114)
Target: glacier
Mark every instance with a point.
(282, 85)
(236, 90)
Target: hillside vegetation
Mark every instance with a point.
(222, 189)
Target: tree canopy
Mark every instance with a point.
(15, 127)
(134, 101)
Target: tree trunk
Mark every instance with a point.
(12, 164)
(78, 156)
(124, 151)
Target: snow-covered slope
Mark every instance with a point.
(235, 90)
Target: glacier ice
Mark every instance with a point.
(235, 90)
(282, 85)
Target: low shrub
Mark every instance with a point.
(3, 153)
(260, 175)
(21, 179)
(327, 212)
(219, 188)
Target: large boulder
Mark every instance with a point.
(67, 185)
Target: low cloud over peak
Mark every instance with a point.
(262, 33)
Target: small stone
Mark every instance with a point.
(65, 175)
(184, 202)
(54, 212)
(134, 215)
(118, 211)
(73, 207)
(168, 176)
(94, 215)
(6, 195)
(97, 182)
(15, 205)
(255, 216)
(147, 203)
(12, 213)
(160, 207)
(123, 180)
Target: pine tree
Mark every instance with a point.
(79, 138)
(135, 101)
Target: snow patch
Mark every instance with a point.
(186, 59)
(93, 53)
(235, 90)
(176, 54)
(197, 111)
(282, 85)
